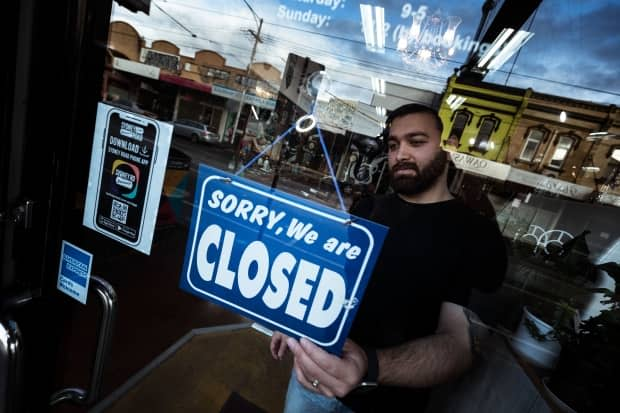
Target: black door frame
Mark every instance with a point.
(53, 74)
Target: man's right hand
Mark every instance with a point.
(278, 345)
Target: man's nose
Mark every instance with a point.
(403, 153)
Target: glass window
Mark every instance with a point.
(209, 72)
(615, 154)
(531, 145)
(461, 118)
(488, 125)
(252, 69)
(565, 143)
(245, 81)
(162, 60)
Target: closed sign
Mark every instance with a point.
(287, 263)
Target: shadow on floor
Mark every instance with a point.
(217, 369)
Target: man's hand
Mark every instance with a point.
(278, 345)
(325, 373)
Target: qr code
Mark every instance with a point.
(119, 211)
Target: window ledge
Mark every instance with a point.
(478, 150)
(554, 168)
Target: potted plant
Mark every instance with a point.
(590, 357)
(563, 275)
(538, 341)
(590, 347)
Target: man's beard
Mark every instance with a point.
(423, 179)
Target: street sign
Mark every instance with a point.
(285, 262)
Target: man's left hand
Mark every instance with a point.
(325, 373)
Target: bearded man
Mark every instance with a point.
(413, 329)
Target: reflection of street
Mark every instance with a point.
(298, 181)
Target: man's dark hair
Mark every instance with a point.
(408, 109)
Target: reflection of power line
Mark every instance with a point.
(438, 80)
(557, 82)
(194, 47)
(175, 20)
(297, 29)
(270, 40)
(254, 14)
(332, 37)
(514, 62)
(218, 13)
(382, 67)
(364, 62)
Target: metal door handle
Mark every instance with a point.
(108, 299)
(10, 366)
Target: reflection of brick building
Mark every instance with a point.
(162, 81)
(546, 143)
(524, 129)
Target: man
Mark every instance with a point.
(412, 330)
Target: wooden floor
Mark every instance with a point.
(218, 369)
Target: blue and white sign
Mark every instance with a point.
(287, 263)
(74, 271)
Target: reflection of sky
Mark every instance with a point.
(573, 52)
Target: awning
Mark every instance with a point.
(137, 68)
(249, 98)
(504, 172)
(480, 166)
(547, 183)
(181, 81)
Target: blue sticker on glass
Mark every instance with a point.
(282, 261)
(74, 271)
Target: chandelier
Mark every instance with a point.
(430, 39)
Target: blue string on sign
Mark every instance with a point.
(323, 147)
(257, 157)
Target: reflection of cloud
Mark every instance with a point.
(573, 44)
(347, 61)
(574, 50)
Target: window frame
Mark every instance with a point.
(214, 73)
(611, 151)
(477, 145)
(453, 128)
(574, 140)
(528, 137)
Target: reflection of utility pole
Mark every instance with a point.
(236, 142)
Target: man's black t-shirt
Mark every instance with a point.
(433, 253)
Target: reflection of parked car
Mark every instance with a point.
(195, 131)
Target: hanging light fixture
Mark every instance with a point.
(430, 39)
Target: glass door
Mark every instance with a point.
(61, 67)
(236, 86)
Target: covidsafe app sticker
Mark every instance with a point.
(126, 178)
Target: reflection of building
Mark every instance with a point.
(172, 86)
(479, 118)
(549, 143)
(574, 149)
